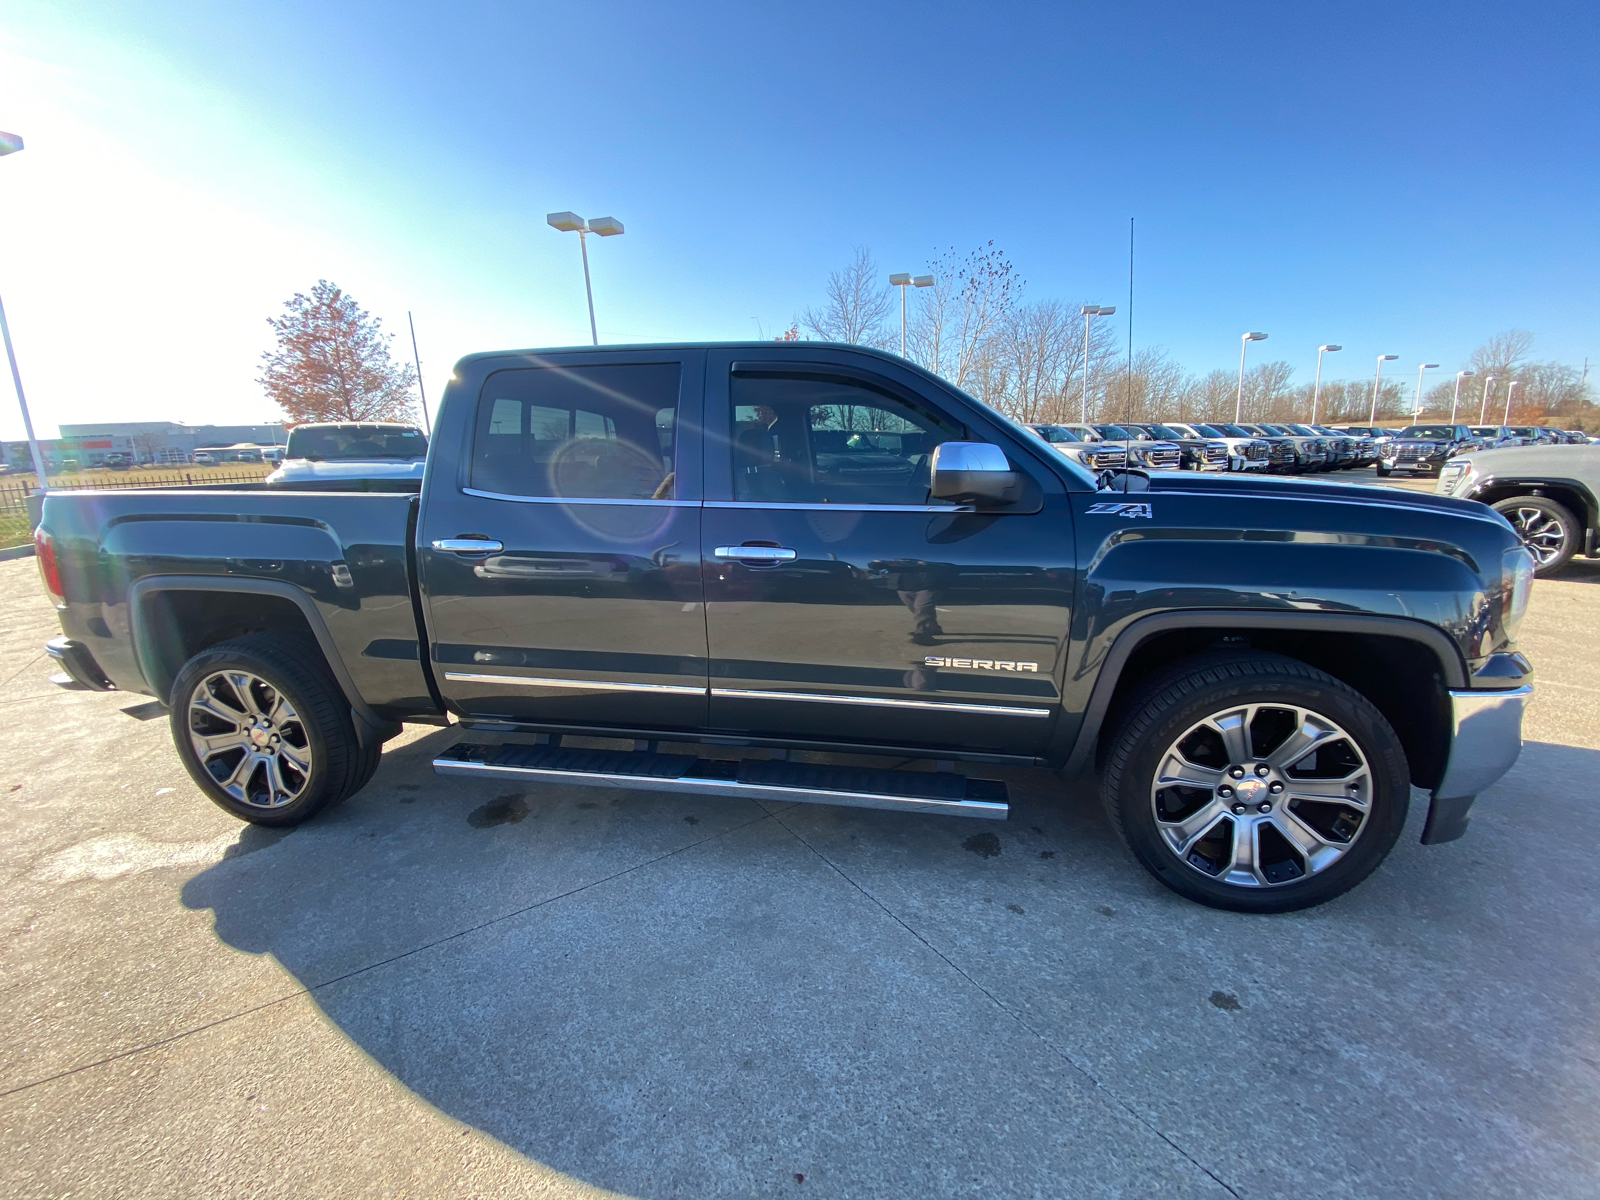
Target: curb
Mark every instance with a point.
(11, 552)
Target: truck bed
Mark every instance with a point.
(134, 562)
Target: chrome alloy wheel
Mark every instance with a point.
(1262, 795)
(1541, 533)
(249, 739)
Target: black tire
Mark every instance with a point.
(1383, 470)
(1172, 708)
(1551, 531)
(318, 731)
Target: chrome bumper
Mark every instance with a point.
(1485, 740)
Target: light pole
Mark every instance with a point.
(1382, 358)
(903, 281)
(1316, 391)
(1488, 386)
(1090, 311)
(1456, 403)
(1244, 342)
(10, 143)
(602, 227)
(1511, 391)
(1421, 370)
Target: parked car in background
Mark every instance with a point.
(362, 450)
(1094, 456)
(203, 459)
(1143, 450)
(1423, 449)
(117, 460)
(1198, 453)
(1360, 450)
(1576, 437)
(1245, 453)
(1531, 435)
(1550, 494)
(1490, 437)
(1309, 453)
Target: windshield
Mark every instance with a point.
(1303, 430)
(1055, 433)
(1117, 433)
(1167, 431)
(1442, 433)
(356, 443)
(1231, 430)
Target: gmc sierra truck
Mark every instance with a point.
(822, 555)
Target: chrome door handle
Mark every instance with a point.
(467, 545)
(769, 554)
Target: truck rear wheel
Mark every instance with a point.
(265, 732)
(1256, 783)
(1549, 530)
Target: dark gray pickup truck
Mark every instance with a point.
(662, 553)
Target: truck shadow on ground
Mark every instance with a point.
(664, 995)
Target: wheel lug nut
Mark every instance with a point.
(1238, 809)
(1275, 788)
(1263, 770)
(1237, 772)
(1224, 792)
(1265, 808)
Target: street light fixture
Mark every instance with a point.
(1316, 392)
(1425, 367)
(1090, 311)
(1511, 391)
(569, 222)
(1456, 403)
(1244, 343)
(10, 143)
(903, 280)
(1382, 358)
(1488, 386)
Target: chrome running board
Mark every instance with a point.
(745, 779)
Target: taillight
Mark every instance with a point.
(49, 569)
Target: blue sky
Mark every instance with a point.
(1397, 178)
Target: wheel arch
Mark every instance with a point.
(1405, 668)
(174, 617)
(1572, 494)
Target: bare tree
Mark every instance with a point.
(971, 297)
(332, 362)
(857, 307)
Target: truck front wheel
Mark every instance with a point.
(1256, 783)
(264, 730)
(1549, 530)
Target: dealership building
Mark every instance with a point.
(146, 441)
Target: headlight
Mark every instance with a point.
(1517, 581)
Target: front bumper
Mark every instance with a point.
(1486, 738)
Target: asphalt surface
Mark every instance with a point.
(452, 989)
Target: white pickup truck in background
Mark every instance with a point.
(357, 450)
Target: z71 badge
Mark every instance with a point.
(1122, 508)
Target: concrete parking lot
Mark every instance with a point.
(453, 989)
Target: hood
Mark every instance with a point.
(1270, 487)
(1574, 461)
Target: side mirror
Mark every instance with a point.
(971, 471)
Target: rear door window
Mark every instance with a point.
(604, 432)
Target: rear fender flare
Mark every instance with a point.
(369, 725)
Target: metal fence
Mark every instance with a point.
(14, 496)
